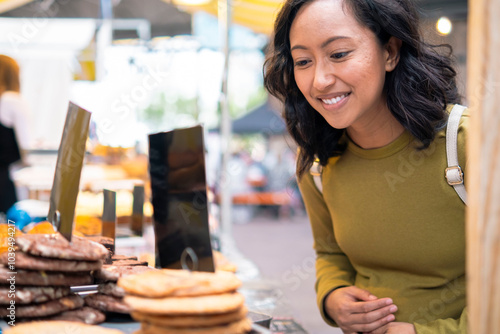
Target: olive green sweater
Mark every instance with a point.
(388, 222)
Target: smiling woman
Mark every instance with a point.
(340, 68)
(369, 99)
(417, 91)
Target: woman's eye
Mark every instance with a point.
(300, 63)
(339, 55)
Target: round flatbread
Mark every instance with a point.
(213, 304)
(153, 284)
(26, 261)
(238, 327)
(183, 321)
(42, 278)
(179, 283)
(56, 246)
(110, 273)
(51, 307)
(107, 303)
(32, 295)
(58, 327)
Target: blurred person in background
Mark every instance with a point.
(365, 95)
(14, 128)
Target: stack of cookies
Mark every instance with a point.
(109, 297)
(177, 301)
(37, 279)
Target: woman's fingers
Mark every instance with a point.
(373, 316)
(368, 321)
(373, 327)
(371, 320)
(356, 310)
(360, 294)
(366, 307)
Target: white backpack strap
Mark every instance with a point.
(454, 174)
(315, 171)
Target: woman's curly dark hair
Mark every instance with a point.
(418, 89)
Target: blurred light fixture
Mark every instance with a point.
(444, 26)
(191, 2)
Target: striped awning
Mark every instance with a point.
(6, 5)
(258, 15)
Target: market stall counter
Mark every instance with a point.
(53, 280)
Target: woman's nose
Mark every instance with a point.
(324, 76)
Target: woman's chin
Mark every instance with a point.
(338, 124)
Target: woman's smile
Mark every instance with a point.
(336, 102)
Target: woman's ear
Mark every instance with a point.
(392, 51)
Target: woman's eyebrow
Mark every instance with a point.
(323, 45)
(332, 39)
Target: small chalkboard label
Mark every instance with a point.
(109, 216)
(178, 183)
(138, 210)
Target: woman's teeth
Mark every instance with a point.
(334, 100)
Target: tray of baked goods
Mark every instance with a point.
(51, 285)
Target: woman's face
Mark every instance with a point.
(339, 65)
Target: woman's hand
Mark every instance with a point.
(356, 310)
(396, 328)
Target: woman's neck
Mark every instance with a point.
(378, 132)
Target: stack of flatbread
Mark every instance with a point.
(181, 302)
(37, 279)
(109, 296)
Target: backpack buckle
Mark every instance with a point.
(316, 168)
(454, 175)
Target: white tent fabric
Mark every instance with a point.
(46, 50)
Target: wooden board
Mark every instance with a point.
(483, 183)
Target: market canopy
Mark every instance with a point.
(165, 19)
(265, 119)
(258, 15)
